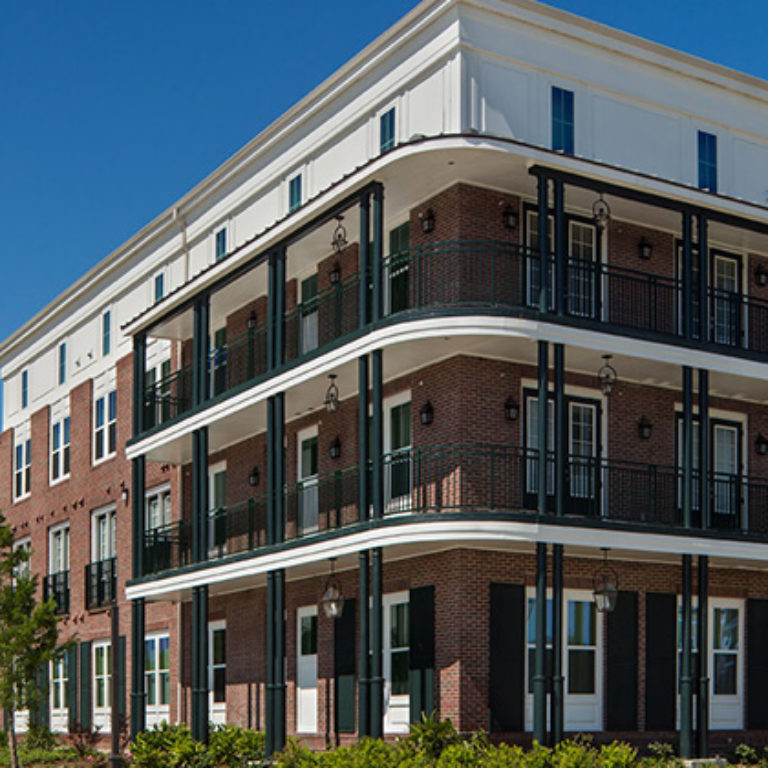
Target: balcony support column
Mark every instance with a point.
(138, 689)
(279, 319)
(278, 445)
(557, 709)
(377, 435)
(543, 208)
(686, 678)
(561, 254)
(543, 380)
(688, 276)
(377, 635)
(377, 310)
(540, 651)
(364, 669)
(561, 431)
(702, 703)
(138, 502)
(139, 376)
(201, 350)
(275, 652)
(200, 495)
(363, 492)
(200, 664)
(687, 446)
(702, 237)
(704, 459)
(363, 256)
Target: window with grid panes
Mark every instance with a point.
(22, 468)
(157, 386)
(707, 156)
(387, 130)
(218, 665)
(400, 452)
(309, 315)
(102, 679)
(24, 389)
(157, 670)
(105, 426)
(399, 267)
(725, 651)
(562, 120)
(399, 648)
(60, 444)
(62, 363)
(59, 683)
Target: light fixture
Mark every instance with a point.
(601, 213)
(427, 413)
(644, 428)
(251, 321)
(339, 241)
(254, 478)
(509, 217)
(332, 601)
(124, 493)
(607, 375)
(761, 276)
(644, 249)
(331, 401)
(335, 274)
(761, 444)
(511, 409)
(334, 450)
(606, 586)
(427, 221)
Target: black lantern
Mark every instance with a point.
(331, 401)
(644, 249)
(254, 478)
(427, 221)
(509, 217)
(511, 409)
(124, 492)
(644, 428)
(606, 586)
(332, 601)
(335, 274)
(607, 376)
(761, 276)
(334, 450)
(250, 323)
(427, 413)
(761, 444)
(339, 241)
(601, 213)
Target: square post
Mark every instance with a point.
(200, 664)
(540, 651)
(702, 713)
(686, 679)
(364, 673)
(138, 687)
(377, 681)
(377, 441)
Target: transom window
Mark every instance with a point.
(105, 426)
(22, 473)
(60, 443)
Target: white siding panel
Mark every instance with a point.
(750, 168)
(425, 109)
(505, 101)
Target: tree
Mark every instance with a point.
(28, 634)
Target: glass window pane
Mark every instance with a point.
(219, 684)
(219, 646)
(164, 644)
(399, 636)
(151, 691)
(150, 662)
(581, 623)
(532, 620)
(581, 671)
(726, 629)
(549, 661)
(308, 635)
(400, 670)
(725, 673)
(165, 688)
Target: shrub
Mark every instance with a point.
(575, 753)
(617, 754)
(231, 746)
(169, 746)
(746, 755)
(39, 737)
(661, 751)
(432, 735)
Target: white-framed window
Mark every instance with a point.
(387, 130)
(59, 674)
(62, 362)
(102, 685)
(217, 671)
(217, 509)
(396, 662)
(306, 443)
(220, 244)
(306, 669)
(103, 534)
(157, 677)
(24, 388)
(158, 287)
(157, 388)
(22, 471)
(726, 666)
(106, 333)
(105, 426)
(60, 444)
(310, 315)
(158, 508)
(582, 651)
(24, 543)
(398, 462)
(295, 193)
(58, 548)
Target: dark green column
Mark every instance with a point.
(687, 446)
(364, 667)
(363, 492)
(540, 651)
(269, 734)
(139, 375)
(377, 436)
(561, 432)
(377, 635)
(200, 495)
(378, 250)
(200, 350)
(704, 489)
(543, 376)
(688, 277)
(138, 690)
(279, 467)
(686, 679)
(702, 703)
(702, 236)
(557, 707)
(279, 646)
(271, 311)
(138, 502)
(279, 306)
(561, 245)
(365, 239)
(200, 664)
(543, 208)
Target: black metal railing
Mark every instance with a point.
(100, 583)
(168, 397)
(168, 547)
(56, 587)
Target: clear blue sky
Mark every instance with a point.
(111, 109)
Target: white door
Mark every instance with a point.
(725, 463)
(581, 269)
(397, 454)
(306, 669)
(727, 305)
(308, 488)
(726, 641)
(217, 672)
(217, 506)
(395, 666)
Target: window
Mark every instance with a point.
(387, 130)
(157, 678)
(562, 120)
(218, 362)
(159, 286)
(22, 469)
(23, 568)
(309, 314)
(397, 453)
(217, 501)
(62, 363)
(58, 687)
(707, 161)
(60, 441)
(58, 549)
(306, 670)
(158, 399)
(725, 649)
(396, 660)
(294, 193)
(158, 509)
(106, 333)
(103, 535)
(221, 244)
(105, 426)
(533, 263)
(308, 487)
(217, 671)
(102, 679)
(398, 266)
(24, 389)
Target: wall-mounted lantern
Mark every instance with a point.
(254, 478)
(331, 401)
(509, 217)
(427, 221)
(511, 409)
(250, 323)
(761, 444)
(761, 276)
(427, 413)
(606, 586)
(644, 428)
(644, 249)
(334, 450)
(332, 601)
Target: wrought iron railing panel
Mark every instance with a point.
(56, 586)
(100, 583)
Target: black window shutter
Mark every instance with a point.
(622, 664)
(85, 685)
(72, 684)
(507, 648)
(421, 610)
(344, 655)
(39, 716)
(121, 668)
(757, 663)
(660, 661)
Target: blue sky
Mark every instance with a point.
(110, 111)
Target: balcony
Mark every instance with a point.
(486, 481)
(479, 277)
(100, 584)
(56, 587)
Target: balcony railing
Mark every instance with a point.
(483, 479)
(56, 586)
(488, 275)
(100, 583)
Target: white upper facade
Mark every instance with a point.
(449, 67)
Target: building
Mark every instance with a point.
(491, 223)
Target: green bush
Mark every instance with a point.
(661, 751)
(232, 747)
(39, 737)
(432, 735)
(617, 754)
(746, 755)
(169, 746)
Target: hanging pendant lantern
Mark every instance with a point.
(331, 401)
(339, 241)
(607, 376)
(332, 601)
(601, 213)
(606, 583)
